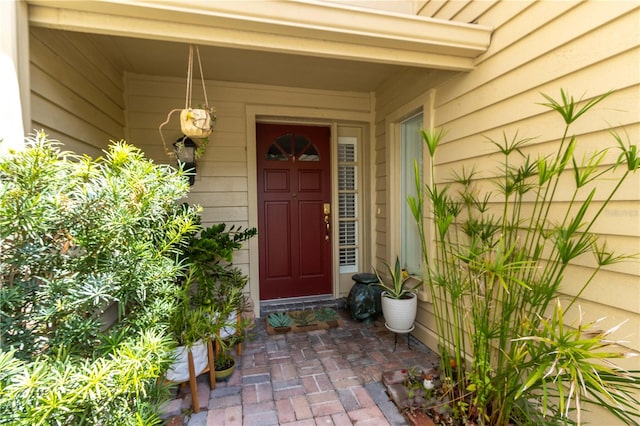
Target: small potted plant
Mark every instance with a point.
(399, 304)
(224, 365)
(190, 327)
(280, 322)
(327, 315)
(304, 320)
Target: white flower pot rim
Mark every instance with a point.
(411, 293)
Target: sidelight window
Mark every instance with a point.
(411, 152)
(348, 220)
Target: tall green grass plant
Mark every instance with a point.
(496, 269)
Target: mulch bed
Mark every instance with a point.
(398, 393)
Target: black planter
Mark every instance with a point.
(364, 297)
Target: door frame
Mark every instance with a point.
(294, 116)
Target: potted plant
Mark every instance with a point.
(191, 328)
(399, 304)
(327, 315)
(219, 284)
(224, 365)
(280, 322)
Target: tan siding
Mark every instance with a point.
(450, 9)
(225, 160)
(471, 11)
(432, 7)
(393, 94)
(559, 49)
(224, 184)
(586, 48)
(467, 11)
(588, 60)
(76, 93)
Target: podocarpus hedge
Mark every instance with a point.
(81, 238)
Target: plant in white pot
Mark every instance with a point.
(219, 285)
(399, 304)
(191, 328)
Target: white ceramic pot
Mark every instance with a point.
(399, 314)
(179, 370)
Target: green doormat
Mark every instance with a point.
(298, 321)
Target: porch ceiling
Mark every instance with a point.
(292, 43)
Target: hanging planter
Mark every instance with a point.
(194, 122)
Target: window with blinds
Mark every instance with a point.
(411, 151)
(348, 204)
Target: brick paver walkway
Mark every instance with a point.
(322, 377)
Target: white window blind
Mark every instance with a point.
(348, 204)
(411, 151)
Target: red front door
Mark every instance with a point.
(294, 183)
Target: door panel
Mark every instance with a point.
(293, 186)
(310, 181)
(311, 233)
(276, 180)
(278, 239)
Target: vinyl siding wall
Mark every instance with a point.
(587, 48)
(76, 92)
(225, 183)
(222, 185)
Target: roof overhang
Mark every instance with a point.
(311, 28)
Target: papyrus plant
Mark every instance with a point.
(496, 268)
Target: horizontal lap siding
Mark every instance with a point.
(76, 92)
(390, 96)
(543, 55)
(222, 184)
(587, 48)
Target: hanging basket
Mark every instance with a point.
(194, 122)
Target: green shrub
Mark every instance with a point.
(80, 239)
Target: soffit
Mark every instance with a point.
(164, 58)
(295, 27)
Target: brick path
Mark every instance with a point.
(322, 377)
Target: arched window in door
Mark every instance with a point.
(292, 147)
